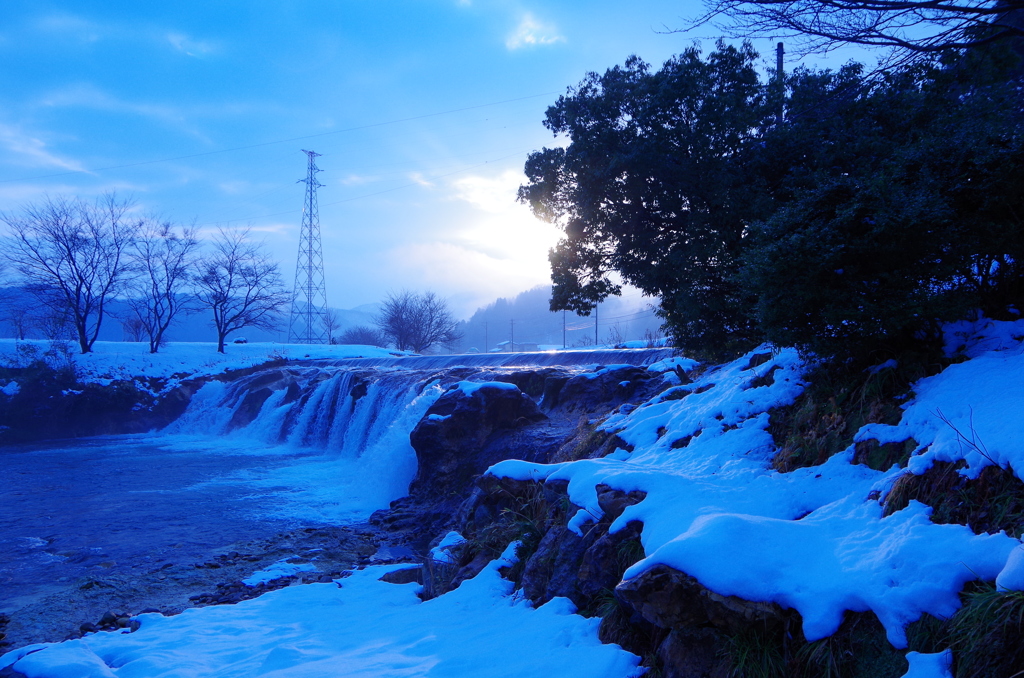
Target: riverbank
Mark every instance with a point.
(63, 609)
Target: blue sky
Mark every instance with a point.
(423, 110)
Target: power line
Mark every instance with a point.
(367, 195)
(277, 141)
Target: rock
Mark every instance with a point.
(88, 627)
(693, 653)
(604, 390)
(406, 575)
(553, 568)
(614, 502)
(533, 382)
(672, 599)
(449, 440)
(602, 564)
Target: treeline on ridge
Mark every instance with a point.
(847, 213)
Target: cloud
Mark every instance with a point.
(467, 277)
(418, 178)
(84, 95)
(70, 25)
(33, 150)
(530, 33)
(193, 48)
(490, 194)
(356, 180)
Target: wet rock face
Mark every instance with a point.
(669, 598)
(451, 441)
(599, 391)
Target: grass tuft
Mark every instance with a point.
(986, 633)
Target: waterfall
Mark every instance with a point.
(340, 429)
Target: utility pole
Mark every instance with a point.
(780, 78)
(512, 336)
(306, 324)
(595, 324)
(486, 344)
(563, 330)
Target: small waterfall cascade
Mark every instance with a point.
(341, 411)
(346, 423)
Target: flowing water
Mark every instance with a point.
(328, 444)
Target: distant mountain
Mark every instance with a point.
(526, 318)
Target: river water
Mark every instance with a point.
(105, 505)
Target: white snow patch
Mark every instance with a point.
(671, 364)
(971, 338)
(117, 360)
(281, 568)
(967, 412)
(471, 387)
(1011, 578)
(935, 665)
(442, 552)
(363, 628)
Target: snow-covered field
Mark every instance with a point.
(814, 540)
(122, 360)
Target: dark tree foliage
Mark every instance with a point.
(654, 186)
(899, 209)
(876, 210)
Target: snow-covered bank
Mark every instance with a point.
(364, 628)
(814, 539)
(122, 360)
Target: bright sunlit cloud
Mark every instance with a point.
(530, 32)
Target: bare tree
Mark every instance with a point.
(134, 328)
(18, 308)
(910, 26)
(165, 261)
(332, 323)
(74, 256)
(416, 321)
(240, 284)
(361, 335)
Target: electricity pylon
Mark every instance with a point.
(307, 324)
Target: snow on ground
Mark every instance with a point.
(813, 539)
(282, 568)
(124, 360)
(364, 628)
(971, 412)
